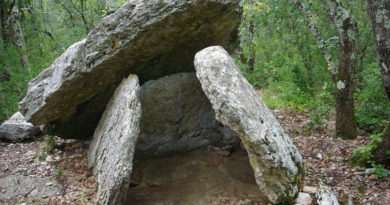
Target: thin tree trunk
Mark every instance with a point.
(3, 22)
(15, 35)
(381, 154)
(345, 110)
(19, 43)
(250, 58)
(379, 12)
(343, 75)
(252, 52)
(82, 13)
(313, 24)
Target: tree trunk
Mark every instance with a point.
(16, 37)
(11, 31)
(379, 12)
(3, 22)
(381, 154)
(313, 25)
(342, 76)
(345, 111)
(252, 52)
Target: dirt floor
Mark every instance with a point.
(326, 160)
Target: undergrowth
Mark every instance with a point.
(363, 157)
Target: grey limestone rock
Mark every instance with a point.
(111, 150)
(150, 38)
(325, 196)
(303, 199)
(29, 186)
(276, 162)
(17, 129)
(178, 117)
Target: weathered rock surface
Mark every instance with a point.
(150, 38)
(112, 148)
(276, 162)
(32, 187)
(303, 199)
(325, 196)
(198, 177)
(16, 128)
(178, 117)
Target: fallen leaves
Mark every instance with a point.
(327, 160)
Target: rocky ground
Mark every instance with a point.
(58, 167)
(326, 161)
(55, 172)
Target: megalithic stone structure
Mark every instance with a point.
(111, 150)
(149, 38)
(276, 162)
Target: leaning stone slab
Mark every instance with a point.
(177, 117)
(276, 162)
(150, 38)
(17, 129)
(111, 151)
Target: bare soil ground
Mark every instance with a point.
(326, 160)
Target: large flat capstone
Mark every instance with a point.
(276, 162)
(150, 38)
(112, 148)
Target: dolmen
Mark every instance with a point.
(155, 78)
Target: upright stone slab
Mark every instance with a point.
(276, 162)
(177, 117)
(150, 38)
(111, 151)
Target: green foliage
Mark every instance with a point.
(291, 70)
(49, 144)
(379, 171)
(42, 157)
(11, 90)
(372, 107)
(57, 172)
(362, 156)
(317, 117)
(49, 27)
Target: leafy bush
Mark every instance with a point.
(14, 84)
(362, 156)
(379, 171)
(372, 107)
